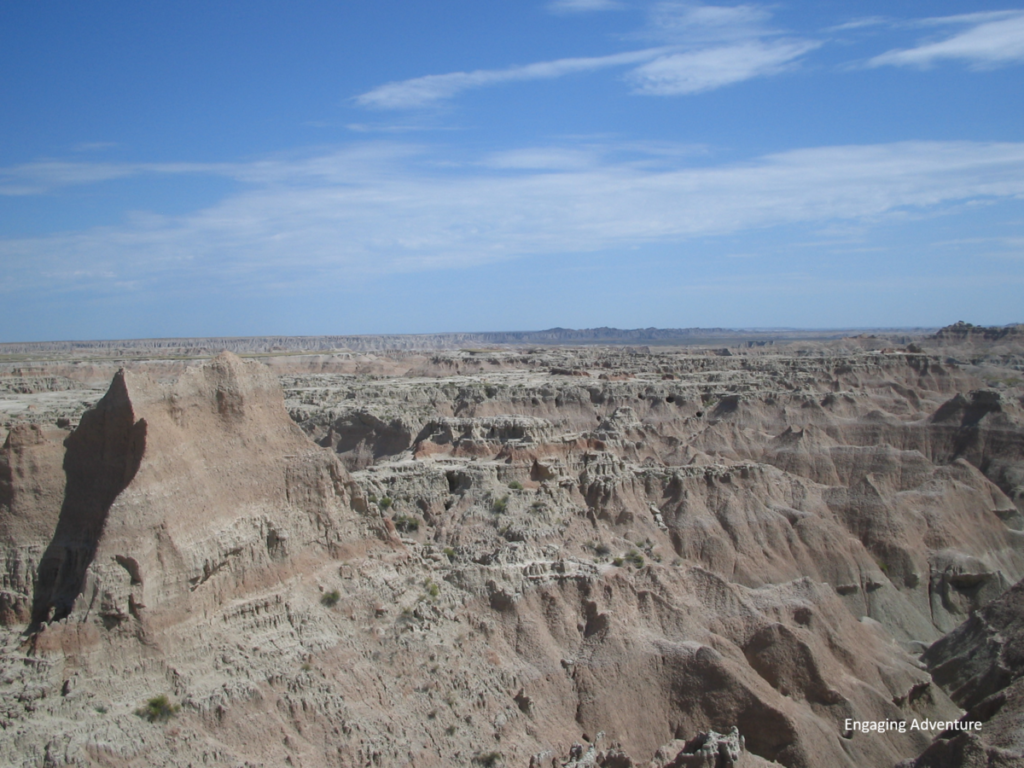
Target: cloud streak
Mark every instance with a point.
(711, 68)
(375, 210)
(430, 89)
(694, 24)
(703, 47)
(583, 6)
(994, 39)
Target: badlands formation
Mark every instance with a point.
(745, 555)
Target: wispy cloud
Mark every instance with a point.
(993, 39)
(584, 6)
(430, 89)
(382, 208)
(47, 175)
(94, 146)
(861, 23)
(693, 23)
(703, 47)
(705, 70)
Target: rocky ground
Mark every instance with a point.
(512, 555)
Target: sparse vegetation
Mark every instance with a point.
(635, 559)
(406, 524)
(433, 590)
(602, 550)
(489, 759)
(158, 709)
(385, 502)
(500, 505)
(515, 485)
(450, 554)
(330, 599)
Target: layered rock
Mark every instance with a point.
(31, 492)
(175, 495)
(665, 549)
(981, 664)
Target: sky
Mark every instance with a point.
(252, 168)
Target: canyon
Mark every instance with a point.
(520, 553)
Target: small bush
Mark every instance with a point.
(330, 599)
(385, 502)
(618, 562)
(450, 554)
(515, 485)
(406, 524)
(158, 709)
(602, 550)
(635, 558)
(489, 759)
(500, 505)
(432, 589)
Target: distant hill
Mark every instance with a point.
(199, 347)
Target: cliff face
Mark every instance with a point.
(177, 495)
(31, 492)
(527, 549)
(982, 664)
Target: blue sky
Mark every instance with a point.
(194, 168)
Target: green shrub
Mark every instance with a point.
(515, 485)
(330, 599)
(406, 524)
(500, 505)
(635, 558)
(158, 709)
(450, 554)
(489, 759)
(385, 502)
(602, 550)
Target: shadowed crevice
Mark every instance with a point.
(102, 456)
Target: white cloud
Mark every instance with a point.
(47, 175)
(583, 6)
(707, 47)
(705, 70)
(35, 178)
(542, 158)
(430, 89)
(861, 23)
(374, 209)
(694, 23)
(94, 146)
(995, 39)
